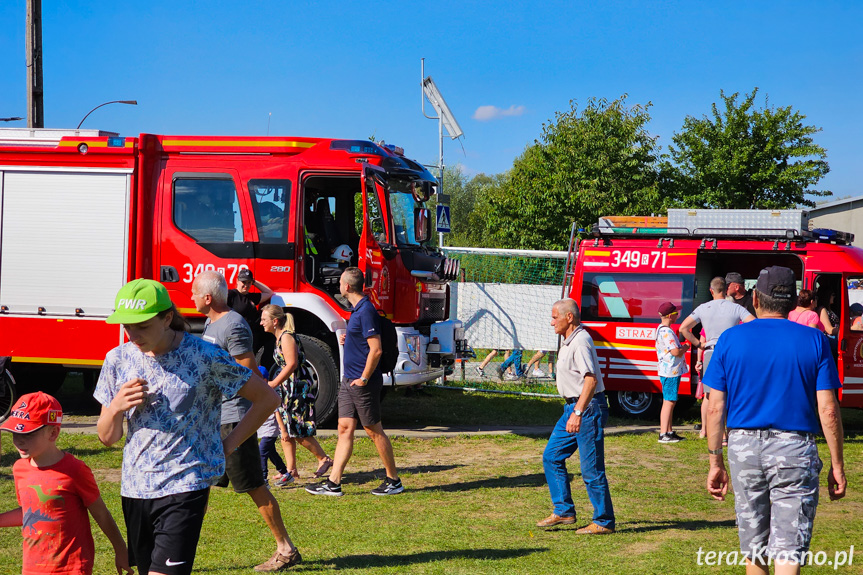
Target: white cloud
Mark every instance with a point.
(487, 113)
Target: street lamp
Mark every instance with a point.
(131, 102)
(445, 119)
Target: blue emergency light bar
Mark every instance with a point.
(828, 235)
(357, 147)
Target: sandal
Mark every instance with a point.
(294, 473)
(324, 467)
(279, 562)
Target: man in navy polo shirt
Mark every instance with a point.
(778, 381)
(360, 390)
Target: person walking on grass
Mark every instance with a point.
(228, 330)
(776, 381)
(715, 316)
(56, 495)
(268, 434)
(360, 390)
(672, 365)
(581, 427)
(296, 415)
(164, 389)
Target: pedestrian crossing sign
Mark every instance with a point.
(443, 221)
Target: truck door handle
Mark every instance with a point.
(168, 274)
(843, 345)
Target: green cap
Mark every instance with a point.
(139, 300)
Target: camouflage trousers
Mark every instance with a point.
(775, 479)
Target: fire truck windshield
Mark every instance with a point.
(403, 204)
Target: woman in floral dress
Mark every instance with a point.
(296, 415)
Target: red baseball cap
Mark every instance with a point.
(667, 308)
(33, 411)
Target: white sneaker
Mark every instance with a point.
(538, 373)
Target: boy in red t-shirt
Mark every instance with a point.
(55, 491)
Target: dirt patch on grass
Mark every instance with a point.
(107, 475)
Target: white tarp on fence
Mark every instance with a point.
(505, 316)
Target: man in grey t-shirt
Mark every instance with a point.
(715, 317)
(227, 329)
(231, 332)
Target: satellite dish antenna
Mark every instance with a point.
(445, 119)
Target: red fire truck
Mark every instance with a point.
(629, 266)
(85, 211)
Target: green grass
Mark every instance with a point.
(471, 505)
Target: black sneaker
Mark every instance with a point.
(389, 487)
(676, 437)
(325, 487)
(668, 438)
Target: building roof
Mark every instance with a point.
(834, 204)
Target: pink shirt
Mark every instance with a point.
(807, 317)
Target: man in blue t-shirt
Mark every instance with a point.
(360, 390)
(777, 380)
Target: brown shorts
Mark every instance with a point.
(243, 467)
(361, 402)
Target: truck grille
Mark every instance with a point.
(432, 307)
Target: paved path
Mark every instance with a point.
(87, 424)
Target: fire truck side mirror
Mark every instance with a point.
(421, 191)
(422, 224)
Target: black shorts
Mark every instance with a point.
(361, 402)
(243, 467)
(163, 533)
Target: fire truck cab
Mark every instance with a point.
(84, 211)
(629, 266)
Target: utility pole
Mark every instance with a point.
(35, 108)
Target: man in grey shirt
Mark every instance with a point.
(227, 329)
(581, 426)
(715, 317)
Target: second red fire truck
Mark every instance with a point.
(631, 265)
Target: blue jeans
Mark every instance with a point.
(267, 447)
(590, 443)
(514, 360)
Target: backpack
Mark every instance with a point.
(389, 346)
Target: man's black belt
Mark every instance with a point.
(571, 399)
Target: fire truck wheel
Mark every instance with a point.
(325, 374)
(7, 394)
(635, 404)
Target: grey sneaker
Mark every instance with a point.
(389, 487)
(284, 480)
(325, 487)
(479, 371)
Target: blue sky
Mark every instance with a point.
(351, 70)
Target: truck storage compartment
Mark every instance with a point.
(63, 236)
(757, 223)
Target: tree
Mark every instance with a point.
(745, 157)
(469, 198)
(590, 163)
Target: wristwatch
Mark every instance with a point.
(577, 412)
(364, 379)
